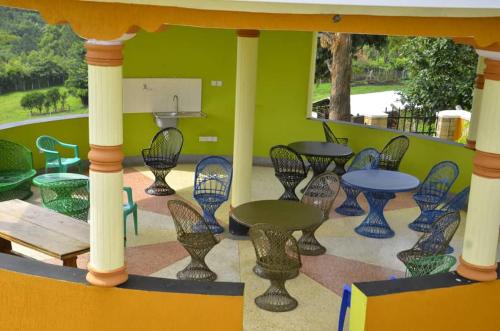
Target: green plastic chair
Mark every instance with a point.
(130, 207)
(16, 171)
(48, 145)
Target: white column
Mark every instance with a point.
(478, 260)
(246, 81)
(477, 96)
(107, 265)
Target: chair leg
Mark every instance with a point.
(276, 298)
(160, 186)
(197, 268)
(308, 244)
(346, 303)
(136, 227)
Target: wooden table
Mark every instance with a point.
(42, 230)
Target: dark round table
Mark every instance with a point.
(321, 154)
(288, 215)
(379, 186)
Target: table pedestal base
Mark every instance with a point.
(375, 225)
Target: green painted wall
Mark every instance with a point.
(281, 103)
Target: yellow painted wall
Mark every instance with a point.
(468, 307)
(32, 303)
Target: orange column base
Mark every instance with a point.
(474, 272)
(471, 144)
(107, 278)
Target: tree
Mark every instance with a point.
(342, 47)
(53, 97)
(33, 100)
(64, 98)
(441, 74)
(77, 81)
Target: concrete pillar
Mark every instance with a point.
(476, 104)
(107, 265)
(379, 120)
(246, 82)
(478, 260)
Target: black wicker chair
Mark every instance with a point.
(279, 259)
(161, 157)
(434, 243)
(194, 234)
(393, 153)
(331, 138)
(289, 168)
(321, 193)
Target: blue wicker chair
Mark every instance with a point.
(432, 192)
(368, 158)
(431, 244)
(49, 146)
(212, 183)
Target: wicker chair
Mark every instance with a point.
(432, 193)
(393, 153)
(195, 235)
(429, 265)
(289, 168)
(68, 197)
(161, 157)
(48, 146)
(279, 259)
(368, 158)
(331, 138)
(212, 183)
(16, 171)
(433, 243)
(321, 193)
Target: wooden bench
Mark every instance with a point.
(42, 230)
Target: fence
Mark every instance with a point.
(412, 120)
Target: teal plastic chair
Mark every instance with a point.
(53, 160)
(130, 207)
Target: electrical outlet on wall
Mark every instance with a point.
(217, 83)
(210, 139)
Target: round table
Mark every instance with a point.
(65, 193)
(320, 155)
(379, 186)
(288, 215)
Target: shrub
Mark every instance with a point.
(53, 97)
(33, 100)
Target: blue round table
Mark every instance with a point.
(379, 186)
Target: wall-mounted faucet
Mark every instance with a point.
(176, 103)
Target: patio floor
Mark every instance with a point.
(349, 258)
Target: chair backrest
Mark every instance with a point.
(166, 145)
(393, 153)
(14, 156)
(329, 136)
(458, 202)
(439, 180)
(442, 230)
(368, 158)
(321, 192)
(187, 220)
(48, 145)
(213, 176)
(274, 247)
(286, 160)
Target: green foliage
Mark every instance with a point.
(33, 100)
(441, 74)
(53, 97)
(77, 81)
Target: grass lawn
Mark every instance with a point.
(322, 91)
(11, 110)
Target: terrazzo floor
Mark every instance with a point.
(318, 288)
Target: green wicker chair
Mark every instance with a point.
(429, 265)
(68, 197)
(48, 145)
(16, 171)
